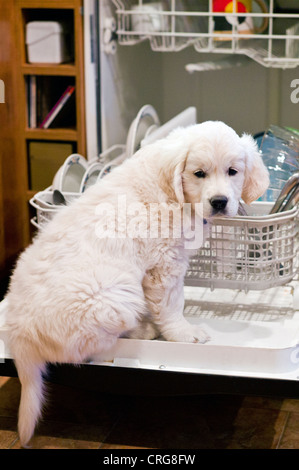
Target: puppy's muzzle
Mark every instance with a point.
(219, 203)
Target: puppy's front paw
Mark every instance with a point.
(200, 336)
(187, 334)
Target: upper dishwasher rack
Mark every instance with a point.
(172, 25)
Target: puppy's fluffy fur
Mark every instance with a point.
(73, 293)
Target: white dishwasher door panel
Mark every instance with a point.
(252, 335)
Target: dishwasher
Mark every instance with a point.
(243, 284)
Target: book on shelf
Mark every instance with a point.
(57, 108)
(41, 94)
(32, 100)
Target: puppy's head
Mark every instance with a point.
(217, 168)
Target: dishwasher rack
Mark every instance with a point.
(256, 251)
(253, 252)
(177, 24)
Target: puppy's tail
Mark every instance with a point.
(32, 397)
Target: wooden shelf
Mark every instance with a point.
(51, 134)
(49, 69)
(30, 194)
(57, 4)
(18, 141)
(73, 139)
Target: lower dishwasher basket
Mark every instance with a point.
(253, 252)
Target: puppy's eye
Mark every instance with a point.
(232, 172)
(200, 174)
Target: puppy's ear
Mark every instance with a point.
(171, 175)
(178, 181)
(256, 174)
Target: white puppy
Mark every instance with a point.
(75, 290)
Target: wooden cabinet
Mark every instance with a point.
(17, 133)
(52, 79)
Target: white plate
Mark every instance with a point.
(183, 119)
(145, 119)
(69, 176)
(91, 175)
(106, 169)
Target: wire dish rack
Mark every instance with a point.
(45, 209)
(253, 252)
(270, 38)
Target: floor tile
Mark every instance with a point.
(257, 428)
(175, 423)
(120, 446)
(53, 435)
(3, 380)
(10, 390)
(290, 437)
(290, 405)
(286, 404)
(262, 402)
(8, 434)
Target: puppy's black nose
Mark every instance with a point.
(218, 202)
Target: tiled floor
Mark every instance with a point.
(76, 419)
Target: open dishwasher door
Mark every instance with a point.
(252, 335)
(254, 349)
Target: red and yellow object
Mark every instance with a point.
(243, 24)
(227, 6)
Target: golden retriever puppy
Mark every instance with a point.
(117, 256)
